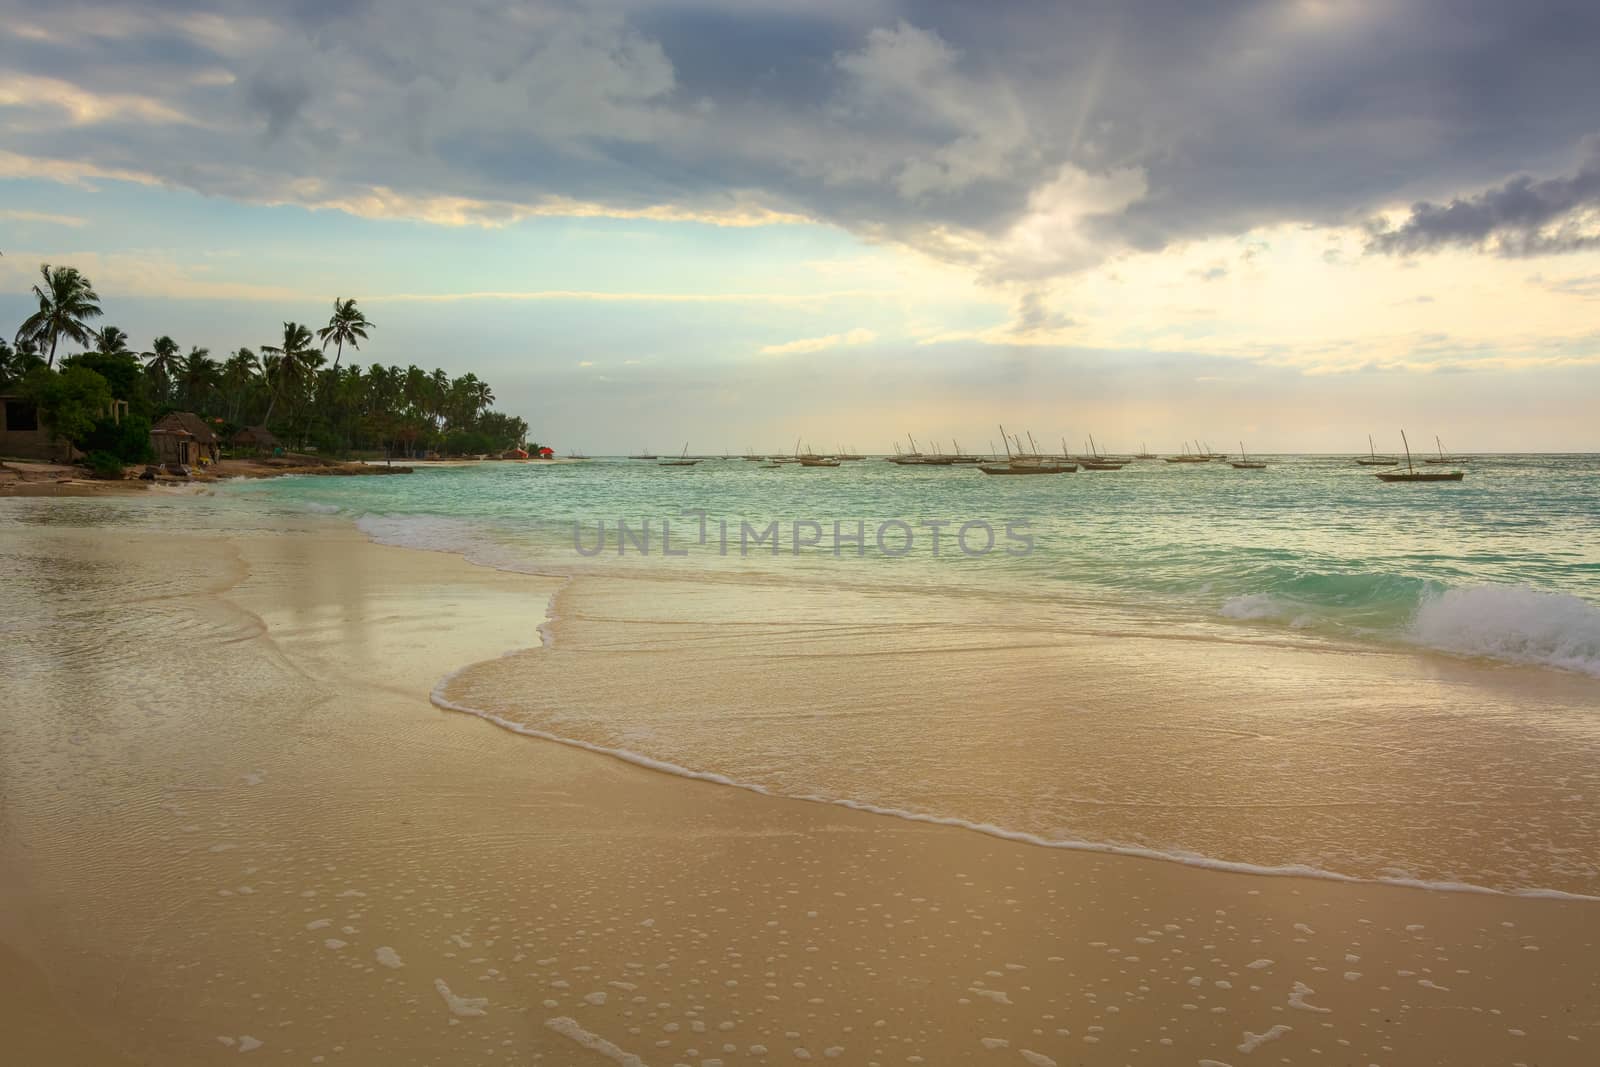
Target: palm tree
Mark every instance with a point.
(66, 301)
(162, 362)
(200, 374)
(110, 341)
(294, 361)
(347, 326)
(237, 375)
(15, 363)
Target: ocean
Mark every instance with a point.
(1300, 670)
(1504, 565)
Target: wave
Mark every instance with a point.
(1514, 623)
(1510, 623)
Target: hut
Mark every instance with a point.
(204, 446)
(257, 439)
(547, 453)
(174, 447)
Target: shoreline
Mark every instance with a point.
(361, 775)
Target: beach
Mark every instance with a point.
(243, 822)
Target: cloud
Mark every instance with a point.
(1033, 316)
(1023, 147)
(857, 336)
(1523, 217)
(600, 296)
(43, 217)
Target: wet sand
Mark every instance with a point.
(232, 823)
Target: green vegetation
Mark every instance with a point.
(70, 401)
(289, 387)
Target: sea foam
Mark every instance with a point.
(1514, 623)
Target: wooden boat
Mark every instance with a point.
(683, 460)
(1372, 459)
(1188, 457)
(961, 457)
(1028, 468)
(1442, 458)
(1027, 463)
(645, 455)
(1144, 453)
(1094, 461)
(1245, 463)
(1411, 474)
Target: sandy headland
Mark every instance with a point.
(233, 823)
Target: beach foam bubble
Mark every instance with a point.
(1514, 623)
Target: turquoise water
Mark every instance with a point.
(1505, 564)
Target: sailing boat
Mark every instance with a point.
(1245, 463)
(1442, 458)
(1372, 459)
(1094, 461)
(644, 455)
(962, 457)
(1187, 457)
(1411, 474)
(809, 458)
(1144, 452)
(1027, 463)
(683, 460)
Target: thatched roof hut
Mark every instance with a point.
(258, 438)
(204, 441)
(191, 423)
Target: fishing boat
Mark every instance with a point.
(1188, 457)
(1411, 474)
(1144, 453)
(1245, 463)
(644, 455)
(683, 459)
(1372, 459)
(1028, 468)
(1028, 463)
(847, 456)
(962, 457)
(1094, 461)
(1441, 457)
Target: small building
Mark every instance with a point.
(174, 446)
(257, 439)
(203, 442)
(23, 433)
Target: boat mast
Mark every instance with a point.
(1403, 441)
(1003, 440)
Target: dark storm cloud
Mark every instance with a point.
(945, 125)
(1523, 217)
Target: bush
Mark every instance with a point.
(104, 465)
(128, 441)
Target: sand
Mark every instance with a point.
(232, 823)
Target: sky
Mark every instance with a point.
(739, 223)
